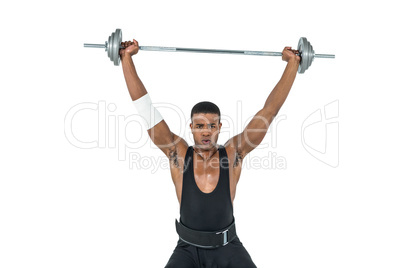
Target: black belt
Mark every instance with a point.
(206, 239)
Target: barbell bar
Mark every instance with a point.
(304, 48)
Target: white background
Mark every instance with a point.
(65, 206)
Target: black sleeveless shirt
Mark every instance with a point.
(206, 211)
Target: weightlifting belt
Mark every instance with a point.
(206, 239)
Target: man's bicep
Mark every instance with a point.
(161, 136)
(253, 134)
(166, 140)
(242, 144)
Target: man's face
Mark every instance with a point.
(205, 129)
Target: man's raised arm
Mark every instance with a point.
(158, 130)
(255, 131)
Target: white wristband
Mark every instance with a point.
(147, 111)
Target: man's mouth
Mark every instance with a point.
(206, 142)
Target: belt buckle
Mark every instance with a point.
(225, 236)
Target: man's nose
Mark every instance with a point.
(206, 132)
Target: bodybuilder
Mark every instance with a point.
(206, 174)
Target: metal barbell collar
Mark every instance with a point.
(307, 54)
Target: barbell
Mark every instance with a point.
(305, 50)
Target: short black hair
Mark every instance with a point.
(205, 107)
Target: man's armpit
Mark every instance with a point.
(238, 159)
(173, 157)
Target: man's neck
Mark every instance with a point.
(206, 154)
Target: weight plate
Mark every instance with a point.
(112, 46)
(109, 48)
(302, 48)
(310, 54)
(117, 42)
(113, 52)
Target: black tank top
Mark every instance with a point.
(206, 211)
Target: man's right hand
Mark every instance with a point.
(129, 48)
(289, 54)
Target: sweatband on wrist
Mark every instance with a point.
(147, 111)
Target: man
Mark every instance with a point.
(206, 175)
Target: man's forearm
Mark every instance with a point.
(134, 84)
(280, 92)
